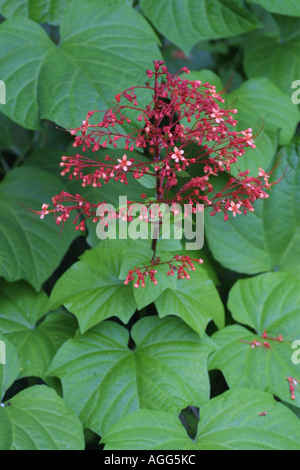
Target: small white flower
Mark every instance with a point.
(217, 115)
(234, 208)
(124, 163)
(178, 155)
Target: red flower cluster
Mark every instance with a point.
(177, 264)
(257, 344)
(265, 344)
(181, 112)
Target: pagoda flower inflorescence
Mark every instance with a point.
(181, 112)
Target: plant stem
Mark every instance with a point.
(157, 158)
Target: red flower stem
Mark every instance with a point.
(159, 195)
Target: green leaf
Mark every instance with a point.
(21, 61)
(92, 290)
(170, 349)
(186, 23)
(269, 238)
(259, 99)
(276, 58)
(103, 380)
(230, 421)
(9, 365)
(196, 301)
(36, 341)
(288, 7)
(48, 159)
(148, 181)
(47, 11)
(32, 248)
(269, 302)
(38, 419)
(145, 429)
(21, 307)
(104, 48)
(138, 254)
(207, 76)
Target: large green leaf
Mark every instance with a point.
(196, 301)
(186, 23)
(48, 159)
(145, 430)
(103, 379)
(21, 60)
(269, 238)
(38, 419)
(36, 341)
(259, 99)
(31, 248)
(230, 421)
(104, 48)
(41, 11)
(288, 7)
(9, 365)
(269, 302)
(276, 58)
(92, 290)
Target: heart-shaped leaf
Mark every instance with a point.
(196, 301)
(92, 290)
(238, 419)
(270, 305)
(103, 379)
(186, 23)
(276, 58)
(36, 341)
(114, 40)
(38, 419)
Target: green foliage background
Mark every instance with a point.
(92, 363)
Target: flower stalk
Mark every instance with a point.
(186, 123)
